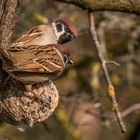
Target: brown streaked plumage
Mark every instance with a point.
(38, 35)
(34, 64)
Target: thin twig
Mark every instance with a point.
(131, 109)
(113, 62)
(111, 89)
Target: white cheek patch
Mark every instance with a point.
(58, 34)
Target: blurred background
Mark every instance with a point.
(85, 111)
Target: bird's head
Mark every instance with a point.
(66, 54)
(67, 57)
(64, 30)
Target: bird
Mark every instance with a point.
(38, 55)
(57, 32)
(35, 63)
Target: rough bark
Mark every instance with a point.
(8, 10)
(130, 6)
(7, 21)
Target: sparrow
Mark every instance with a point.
(35, 56)
(57, 32)
(35, 63)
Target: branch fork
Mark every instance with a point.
(111, 88)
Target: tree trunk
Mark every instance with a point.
(8, 9)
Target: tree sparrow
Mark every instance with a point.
(58, 32)
(34, 64)
(35, 56)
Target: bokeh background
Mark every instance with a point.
(85, 111)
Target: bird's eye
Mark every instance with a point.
(59, 27)
(66, 29)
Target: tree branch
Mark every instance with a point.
(111, 89)
(7, 21)
(8, 10)
(129, 6)
(131, 109)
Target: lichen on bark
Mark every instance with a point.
(129, 6)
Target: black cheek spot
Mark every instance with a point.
(62, 39)
(59, 27)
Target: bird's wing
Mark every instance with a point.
(47, 59)
(30, 35)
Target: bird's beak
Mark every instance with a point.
(71, 61)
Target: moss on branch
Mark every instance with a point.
(129, 6)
